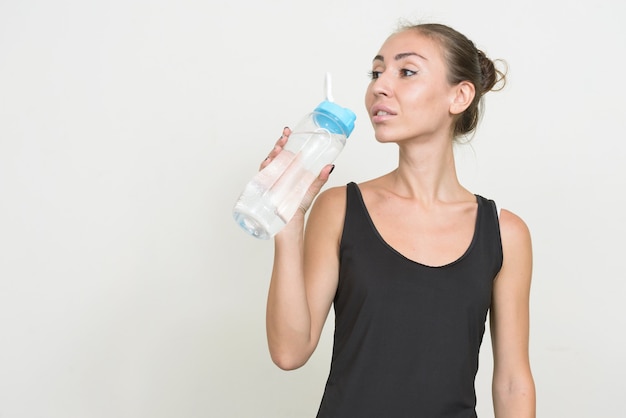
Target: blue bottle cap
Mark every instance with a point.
(334, 118)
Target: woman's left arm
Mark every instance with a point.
(513, 385)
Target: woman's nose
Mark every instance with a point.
(382, 85)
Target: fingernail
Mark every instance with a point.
(331, 170)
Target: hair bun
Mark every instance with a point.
(491, 76)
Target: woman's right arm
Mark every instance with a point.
(304, 277)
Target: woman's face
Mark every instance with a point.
(409, 96)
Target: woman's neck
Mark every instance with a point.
(427, 171)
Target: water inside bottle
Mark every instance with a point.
(254, 211)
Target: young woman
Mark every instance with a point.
(412, 261)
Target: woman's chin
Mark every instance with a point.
(384, 135)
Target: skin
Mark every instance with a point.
(420, 209)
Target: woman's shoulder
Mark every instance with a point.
(327, 214)
(335, 198)
(330, 205)
(332, 196)
(514, 233)
(512, 225)
(374, 188)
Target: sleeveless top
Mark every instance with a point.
(407, 336)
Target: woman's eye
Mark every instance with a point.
(374, 74)
(407, 73)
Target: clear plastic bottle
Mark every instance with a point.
(273, 195)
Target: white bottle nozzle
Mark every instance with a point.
(329, 88)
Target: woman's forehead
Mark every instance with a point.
(409, 43)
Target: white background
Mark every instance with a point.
(128, 129)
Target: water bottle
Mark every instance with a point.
(273, 195)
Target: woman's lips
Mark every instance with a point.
(381, 114)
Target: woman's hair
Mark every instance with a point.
(465, 62)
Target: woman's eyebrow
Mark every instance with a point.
(400, 56)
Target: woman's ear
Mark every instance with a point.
(463, 94)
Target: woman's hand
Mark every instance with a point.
(278, 147)
(315, 187)
(317, 184)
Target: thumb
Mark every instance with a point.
(316, 186)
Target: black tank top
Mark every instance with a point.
(407, 336)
